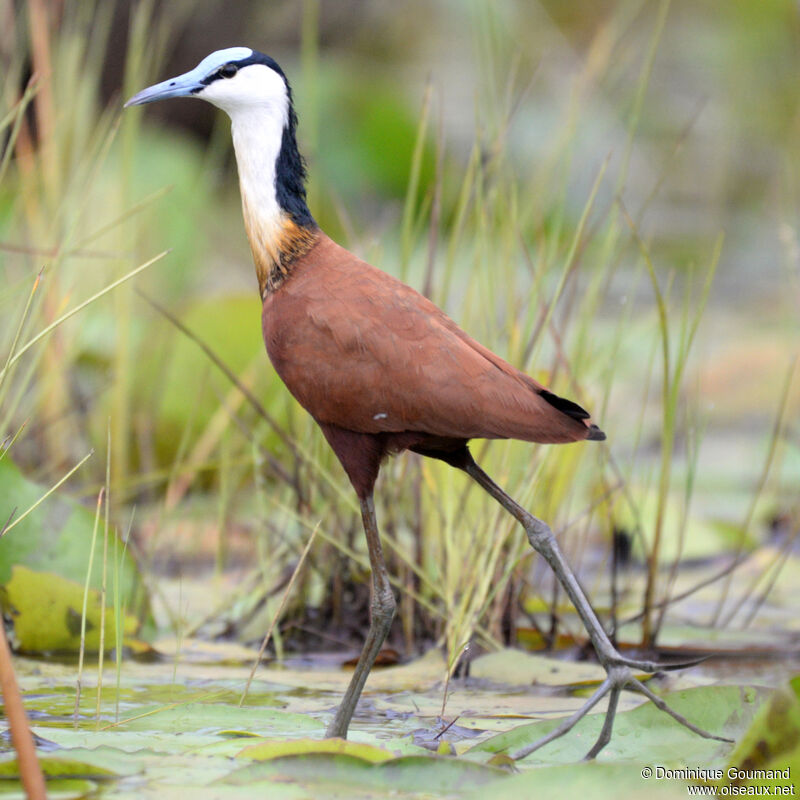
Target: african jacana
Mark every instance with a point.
(378, 366)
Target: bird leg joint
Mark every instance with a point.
(383, 606)
(539, 534)
(618, 674)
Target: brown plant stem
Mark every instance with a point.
(30, 772)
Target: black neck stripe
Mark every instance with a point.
(290, 166)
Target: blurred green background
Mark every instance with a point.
(568, 180)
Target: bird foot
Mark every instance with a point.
(618, 677)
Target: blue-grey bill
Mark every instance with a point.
(182, 86)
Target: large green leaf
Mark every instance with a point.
(645, 733)
(56, 539)
(66, 776)
(268, 749)
(54, 767)
(46, 613)
(320, 771)
(772, 742)
(222, 718)
(592, 780)
(523, 669)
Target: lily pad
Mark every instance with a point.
(419, 673)
(645, 733)
(594, 780)
(429, 774)
(523, 669)
(66, 777)
(46, 613)
(217, 717)
(58, 767)
(772, 742)
(56, 539)
(476, 707)
(272, 748)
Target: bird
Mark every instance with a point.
(379, 367)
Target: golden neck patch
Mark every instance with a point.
(275, 246)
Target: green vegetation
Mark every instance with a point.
(605, 196)
(174, 738)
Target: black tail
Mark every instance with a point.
(575, 411)
(565, 406)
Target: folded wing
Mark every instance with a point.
(387, 359)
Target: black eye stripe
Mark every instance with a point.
(254, 58)
(228, 71)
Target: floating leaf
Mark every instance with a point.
(478, 707)
(66, 777)
(428, 774)
(207, 717)
(58, 767)
(45, 611)
(689, 640)
(772, 742)
(645, 732)
(272, 748)
(523, 669)
(593, 780)
(56, 538)
(199, 651)
(420, 673)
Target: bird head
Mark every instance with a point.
(236, 79)
(252, 89)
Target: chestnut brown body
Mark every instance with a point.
(362, 352)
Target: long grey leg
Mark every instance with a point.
(544, 542)
(617, 667)
(383, 608)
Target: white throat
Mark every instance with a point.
(257, 101)
(256, 98)
(257, 136)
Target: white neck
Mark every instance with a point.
(257, 99)
(257, 136)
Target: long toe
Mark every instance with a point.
(619, 677)
(661, 705)
(568, 724)
(608, 724)
(658, 666)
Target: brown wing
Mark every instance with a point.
(361, 350)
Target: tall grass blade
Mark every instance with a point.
(87, 583)
(278, 612)
(101, 650)
(47, 494)
(71, 313)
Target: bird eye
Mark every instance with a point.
(229, 70)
